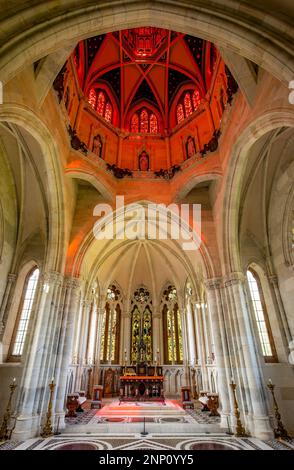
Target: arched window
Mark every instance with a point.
(144, 121)
(109, 346)
(180, 113)
(92, 98)
(196, 99)
(188, 104)
(172, 327)
(148, 122)
(25, 312)
(153, 124)
(108, 112)
(100, 103)
(261, 317)
(141, 327)
(135, 123)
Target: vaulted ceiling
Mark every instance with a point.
(145, 65)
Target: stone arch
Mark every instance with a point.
(232, 181)
(241, 31)
(25, 118)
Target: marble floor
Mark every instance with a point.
(167, 427)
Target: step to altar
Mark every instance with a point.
(141, 408)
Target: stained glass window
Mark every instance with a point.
(153, 124)
(92, 98)
(135, 123)
(180, 113)
(141, 327)
(109, 346)
(136, 324)
(108, 112)
(188, 104)
(173, 352)
(196, 99)
(100, 103)
(26, 310)
(260, 317)
(144, 121)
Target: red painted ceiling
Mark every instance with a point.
(145, 65)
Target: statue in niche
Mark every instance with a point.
(143, 161)
(97, 146)
(190, 147)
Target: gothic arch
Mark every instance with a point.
(245, 33)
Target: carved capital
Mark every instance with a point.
(213, 283)
(234, 278)
(11, 277)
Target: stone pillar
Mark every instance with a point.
(282, 317)
(201, 344)
(186, 380)
(221, 351)
(258, 423)
(96, 370)
(191, 334)
(38, 365)
(65, 345)
(11, 278)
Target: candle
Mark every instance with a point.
(52, 379)
(14, 379)
(157, 350)
(232, 379)
(270, 381)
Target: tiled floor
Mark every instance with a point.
(120, 428)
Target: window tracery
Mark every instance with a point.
(147, 123)
(141, 326)
(172, 327)
(100, 102)
(110, 333)
(188, 103)
(261, 318)
(26, 310)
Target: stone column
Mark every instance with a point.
(191, 333)
(221, 351)
(282, 317)
(37, 368)
(253, 383)
(65, 345)
(186, 380)
(96, 370)
(201, 344)
(11, 278)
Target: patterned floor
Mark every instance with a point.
(137, 442)
(86, 432)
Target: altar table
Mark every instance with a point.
(141, 388)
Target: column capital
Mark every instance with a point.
(72, 282)
(273, 279)
(11, 277)
(234, 278)
(52, 277)
(213, 283)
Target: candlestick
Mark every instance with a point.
(280, 431)
(47, 430)
(5, 431)
(240, 430)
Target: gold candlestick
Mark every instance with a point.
(47, 430)
(5, 432)
(240, 430)
(280, 431)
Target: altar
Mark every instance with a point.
(141, 388)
